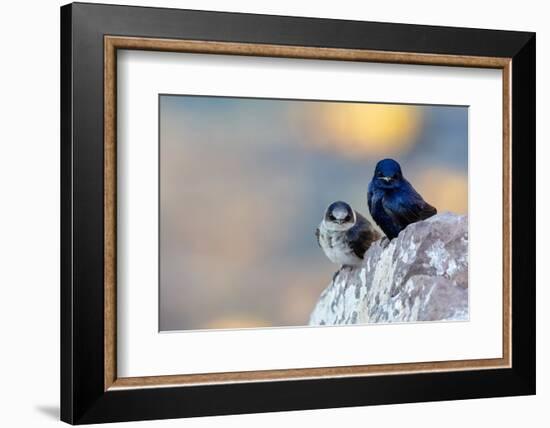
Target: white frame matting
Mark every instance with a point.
(143, 351)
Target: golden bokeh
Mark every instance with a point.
(444, 189)
(369, 129)
(237, 321)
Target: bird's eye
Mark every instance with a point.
(331, 217)
(348, 218)
(379, 174)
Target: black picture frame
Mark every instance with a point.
(83, 397)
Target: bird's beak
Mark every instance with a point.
(386, 179)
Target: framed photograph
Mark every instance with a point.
(265, 213)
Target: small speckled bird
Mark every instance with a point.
(345, 235)
(393, 201)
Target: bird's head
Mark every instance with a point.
(339, 216)
(387, 174)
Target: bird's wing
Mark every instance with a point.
(361, 235)
(317, 233)
(408, 207)
(369, 197)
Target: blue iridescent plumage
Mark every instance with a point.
(393, 202)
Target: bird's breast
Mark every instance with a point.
(336, 247)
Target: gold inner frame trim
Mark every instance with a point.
(113, 43)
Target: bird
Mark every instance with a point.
(393, 202)
(345, 235)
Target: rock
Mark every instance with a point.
(422, 275)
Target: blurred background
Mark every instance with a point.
(245, 182)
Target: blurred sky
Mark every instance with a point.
(245, 182)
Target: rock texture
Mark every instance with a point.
(422, 275)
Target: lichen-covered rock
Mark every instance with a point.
(422, 275)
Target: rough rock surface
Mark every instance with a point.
(422, 275)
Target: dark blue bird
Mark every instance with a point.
(393, 202)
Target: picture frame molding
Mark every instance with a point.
(114, 43)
